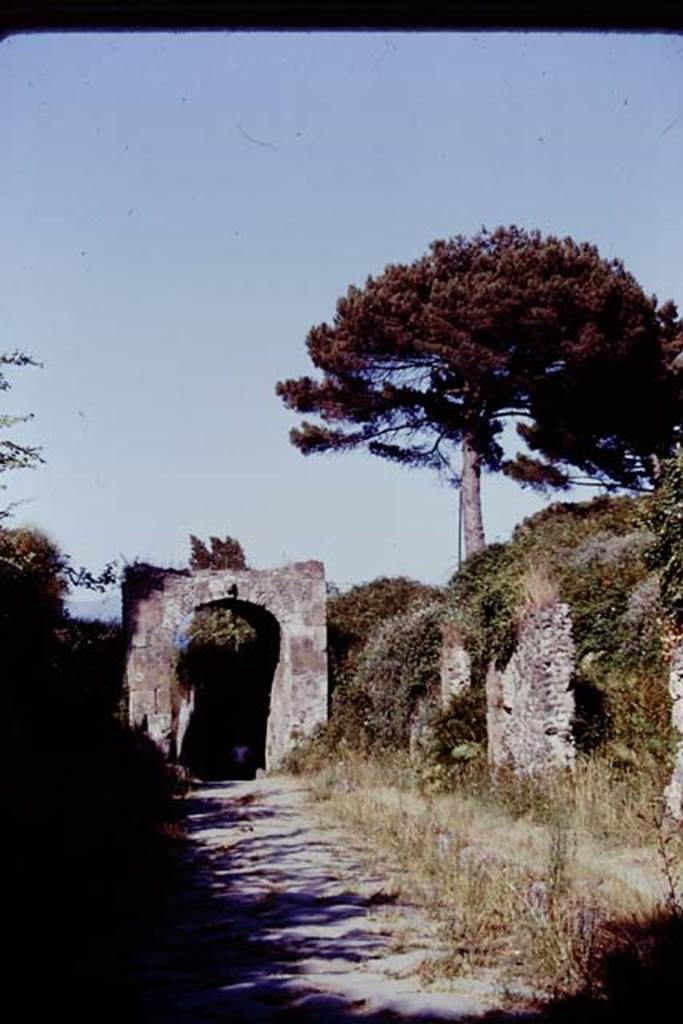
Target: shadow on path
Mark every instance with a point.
(274, 921)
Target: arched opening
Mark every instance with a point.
(228, 656)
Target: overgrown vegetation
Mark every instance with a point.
(551, 882)
(355, 615)
(599, 557)
(598, 554)
(396, 675)
(85, 801)
(452, 741)
(665, 555)
(220, 554)
(365, 624)
(532, 882)
(595, 551)
(221, 629)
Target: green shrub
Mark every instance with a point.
(32, 589)
(484, 595)
(220, 554)
(399, 670)
(385, 637)
(455, 732)
(91, 660)
(665, 519)
(313, 753)
(452, 743)
(223, 628)
(599, 556)
(597, 552)
(638, 708)
(354, 619)
(354, 616)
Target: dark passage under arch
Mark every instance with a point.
(229, 674)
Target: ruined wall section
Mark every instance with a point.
(150, 667)
(673, 794)
(496, 715)
(456, 665)
(156, 604)
(530, 705)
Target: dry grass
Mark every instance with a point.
(520, 879)
(537, 588)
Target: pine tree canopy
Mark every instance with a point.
(437, 355)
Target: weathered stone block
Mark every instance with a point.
(456, 666)
(530, 706)
(673, 793)
(306, 656)
(495, 717)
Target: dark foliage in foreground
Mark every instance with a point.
(636, 976)
(85, 801)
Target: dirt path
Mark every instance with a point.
(277, 920)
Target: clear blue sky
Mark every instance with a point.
(178, 210)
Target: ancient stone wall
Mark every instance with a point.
(530, 705)
(496, 715)
(456, 667)
(156, 603)
(674, 791)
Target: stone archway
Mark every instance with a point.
(226, 691)
(157, 601)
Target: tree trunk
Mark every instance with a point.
(473, 526)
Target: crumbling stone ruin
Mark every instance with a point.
(456, 666)
(673, 794)
(530, 705)
(288, 604)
